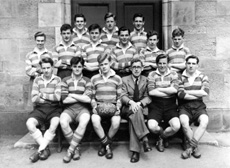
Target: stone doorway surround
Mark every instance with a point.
(53, 13)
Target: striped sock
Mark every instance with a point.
(68, 135)
(75, 141)
(105, 141)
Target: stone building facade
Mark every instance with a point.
(206, 24)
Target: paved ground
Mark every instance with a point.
(213, 156)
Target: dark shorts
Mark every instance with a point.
(162, 109)
(44, 113)
(76, 110)
(193, 109)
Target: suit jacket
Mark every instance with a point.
(128, 90)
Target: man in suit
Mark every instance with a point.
(135, 99)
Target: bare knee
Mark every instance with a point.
(31, 124)
(84, 120)
(116, 120)
(96, 121)
(153, 126)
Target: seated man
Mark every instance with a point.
(76, 96)
(46, 94)
(135, 98)
(162, 87)
(106, 103)
(193, 86)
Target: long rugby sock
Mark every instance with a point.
(48, 136)
(68, 135)
(37, 136)
(105, 140)
(75, 141)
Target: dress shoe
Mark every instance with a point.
(196, 153)
(44, 154)
(77, 154)
(187, 153)
(135, 157)
(68, 157)
(102, 151)
(160, 145)
(146, 146)
(109, 153)
(34, 157)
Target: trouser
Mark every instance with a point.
(137, 127)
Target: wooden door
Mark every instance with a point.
(94, 11)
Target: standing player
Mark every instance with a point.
(138, 36)
(123, 53)
(33, 69)
(150, 52)
(109, 33)
(92, 51)
(178, 52)
(63, 52)
(80, 32)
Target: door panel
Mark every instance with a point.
(94, 10)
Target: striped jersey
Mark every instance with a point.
(33, 58)
(122, 56)
(69, 85)
(81, 40)
(107, 90)
(138, 39)
(62, 54)
(178, 55)
(156, 80)
(46, 92)
(110, 39)
(148, 55)
(200, 82)
(90, 52)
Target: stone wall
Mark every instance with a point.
(207, 27)
(207, 33)
(19, 21)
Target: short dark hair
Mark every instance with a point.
(138, 15)
(161, 56)
(94, 26)
(46, 60)
(134, 60)
(108, 15)
(123, 28)
(103, 57)
(76, 60)
(178, 32)
(79, 15)
(39, 34)
(152, 33)
(65, 27)
(192, 57)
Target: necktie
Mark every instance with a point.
(136, 92)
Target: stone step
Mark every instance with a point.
(27, 141)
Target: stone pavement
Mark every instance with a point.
(212, 156)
